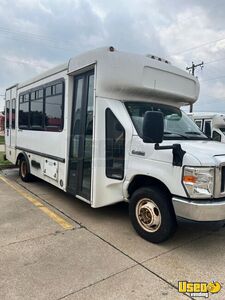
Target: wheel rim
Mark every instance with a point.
(148, 215)
(23, 169)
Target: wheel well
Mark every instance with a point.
(143, 181)
(23, 155)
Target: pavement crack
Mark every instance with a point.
(111, 245)
(33, 238)
(177, 247)
(138, 263)
(97, 282)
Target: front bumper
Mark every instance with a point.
(200, 210)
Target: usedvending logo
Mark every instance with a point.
(199, 289)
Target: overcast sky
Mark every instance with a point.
(36, 35)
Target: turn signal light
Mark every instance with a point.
(189, 179)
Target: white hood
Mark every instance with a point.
(207, 152)
(203, 153)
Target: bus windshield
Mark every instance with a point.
(177, 125)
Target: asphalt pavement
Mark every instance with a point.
(53, 246)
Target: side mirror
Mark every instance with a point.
(153, 127)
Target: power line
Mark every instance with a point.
(26, 39)
(21, 62)
(199, 46)
(214, 78)
(214, 61)
(33, 35)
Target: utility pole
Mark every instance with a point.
(192, 69)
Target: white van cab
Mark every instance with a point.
(212, 124)
(107, 127)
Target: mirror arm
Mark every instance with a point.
(178, 153)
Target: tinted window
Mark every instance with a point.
(216, 136)
(13, 113)
(77, 120)
(53, 112)
(36, 109)
(24, 111)
(7, 114)
(223, 130)
(208, 128)
(54, 107)
(42, 109)
(115, 146)
(86, 182)
(198, 123)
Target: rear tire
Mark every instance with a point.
(24, 173)
(152, 214)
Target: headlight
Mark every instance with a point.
(199, 182)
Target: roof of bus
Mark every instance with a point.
(122, 75)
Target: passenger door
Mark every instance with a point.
(80, 158)
(10, 115)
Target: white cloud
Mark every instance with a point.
(37, 34)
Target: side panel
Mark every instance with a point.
(47, 150)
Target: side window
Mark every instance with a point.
(208, 128)
(54, 107)
(216, 136)
(42, 108)
(115, 146)
(36, 109)
(199, 123)
(24, 111)
(7, 114)
(13, 113)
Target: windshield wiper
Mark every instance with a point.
(193, 132)
(176, 133)
(202, 136)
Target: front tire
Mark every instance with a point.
(152, 214)
(24, 173)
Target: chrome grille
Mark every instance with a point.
(222, 179)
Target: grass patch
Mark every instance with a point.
(4, 163)
(2, 140)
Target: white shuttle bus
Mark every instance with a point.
(107, 127)
(212, 124)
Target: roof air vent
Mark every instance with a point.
(157, 58)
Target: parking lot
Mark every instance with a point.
(54, 246)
